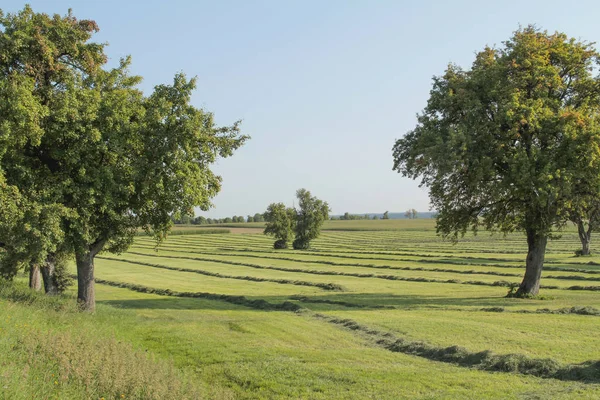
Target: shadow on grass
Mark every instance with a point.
(363, 301)
(379, 300)
(173, 303)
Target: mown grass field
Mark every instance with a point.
(373, 310)
(351, 225)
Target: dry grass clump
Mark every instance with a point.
(101, 367)
(75, 359)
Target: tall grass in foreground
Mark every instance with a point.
(72, 360)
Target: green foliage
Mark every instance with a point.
(42, 59)
(311, 215)
(92, 157)
(352, 217)
(411, 214)
(280, 224)
(280, 244)
(61, 276)
(511, 143)
(304, 223)
(199, 220)
(259, 217)
(29, 230)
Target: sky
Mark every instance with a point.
(324, 88)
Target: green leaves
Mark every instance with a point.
(513, 142)
(85, 158)
(178, 143)
(311, 215)
(304, 223)
(281, 221)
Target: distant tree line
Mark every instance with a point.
(355, 217)
(350, 217)
(187, 220)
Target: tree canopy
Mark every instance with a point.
(411, 214)
(301, 224)
(311, 215)
(511, 144)
(85, 142)
(281, 221)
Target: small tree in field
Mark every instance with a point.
(386, 215)
(92, 155)
(311, 215)
(411, 214)
(280, 224)
(511, 144)
(587, 220)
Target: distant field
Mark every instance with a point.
(423, 224)
(325, 323)
(356, 225)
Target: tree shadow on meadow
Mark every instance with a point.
(375, 301)
(329, 302)
(171, 303)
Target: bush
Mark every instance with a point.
(300, 244)
(280, 244)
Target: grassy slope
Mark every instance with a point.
(232, 352)
(283, 355)
(239, 352)
(51, 351)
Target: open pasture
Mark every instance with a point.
(363, 313)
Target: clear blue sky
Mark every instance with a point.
(323, 87)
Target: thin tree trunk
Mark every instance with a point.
(35, 280)
(533, 266)
(585, 236)
(86, 295)
(48, 273)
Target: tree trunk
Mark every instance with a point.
(585, 236)
(84, 258)
(35, 281)
(86, 295)
(48, 273)
(533, 266)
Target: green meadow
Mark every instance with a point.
(375, 309)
